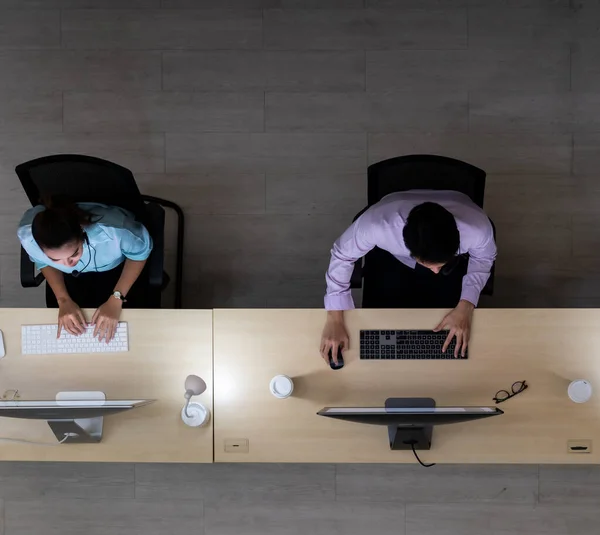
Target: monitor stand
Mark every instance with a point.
(402, 438)
(81, 430)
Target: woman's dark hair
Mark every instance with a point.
(431, 234)
(60, 223)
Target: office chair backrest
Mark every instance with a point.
(423, 171)
(82, 179)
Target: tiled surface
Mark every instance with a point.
(365, 29)
(570, 485)
(247, 70)
(259, 117)
(474, 519)
(460, 483)
(293, 499)
(98, 517)
(23, 480)
(472, 69)
(236, 484)
(161, 29)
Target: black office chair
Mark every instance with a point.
(89, 179)
(421, 171)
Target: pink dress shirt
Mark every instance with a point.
(381, 226)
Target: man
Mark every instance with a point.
(416, 236)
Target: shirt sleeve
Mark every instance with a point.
(25, 236)
(481, 260)
(136, 243)
(352, 245)
(38, 265)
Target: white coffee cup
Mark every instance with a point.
(580, 391)
(281, 386)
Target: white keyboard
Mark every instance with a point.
(41, 340)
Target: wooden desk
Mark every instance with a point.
(548, 348)
(165, 346)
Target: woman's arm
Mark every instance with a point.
(107, 316)
(70, 316)
(131, 272)
(56, 280)
(136, 245)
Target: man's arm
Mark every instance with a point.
(353, 244)
(481, 260)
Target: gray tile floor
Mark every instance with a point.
(265, 499)
(259, 117)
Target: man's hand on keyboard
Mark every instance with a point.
(70, 318)
(106, 319)
(458, 322)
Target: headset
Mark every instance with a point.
(75, 272)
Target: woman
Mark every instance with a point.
(91, 255)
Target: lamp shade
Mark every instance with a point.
(194, 385)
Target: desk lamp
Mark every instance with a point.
(194, 414)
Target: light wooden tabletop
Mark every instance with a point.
(548, 348)
(165, 347)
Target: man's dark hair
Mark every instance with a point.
(431, 234)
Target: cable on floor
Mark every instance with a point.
(412, 445)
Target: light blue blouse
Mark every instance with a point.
(114, 235)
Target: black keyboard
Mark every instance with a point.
(406, 345)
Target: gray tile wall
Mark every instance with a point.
(260, 117)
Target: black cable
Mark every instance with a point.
(95, 265)
(76, 272)
(412, 445)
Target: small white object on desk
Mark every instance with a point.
(281, 386)
(580, 391)
(41, 340)
(2, 351)
(194, 414)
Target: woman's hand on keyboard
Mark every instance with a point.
(70, 317)
(106, 319)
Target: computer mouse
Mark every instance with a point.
(340, 359)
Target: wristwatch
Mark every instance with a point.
(119, 295)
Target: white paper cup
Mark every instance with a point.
(580, 391)
(281, 386)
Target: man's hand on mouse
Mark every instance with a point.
(334, 336)
(458, 322)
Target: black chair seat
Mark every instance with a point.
(90, 179)
(421, 171)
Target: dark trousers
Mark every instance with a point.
(388, 283)
(92, 289)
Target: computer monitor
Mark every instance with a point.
(71, 420)
(410, 421)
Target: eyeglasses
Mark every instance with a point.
(517, 388)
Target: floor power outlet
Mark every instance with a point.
(579, 446)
